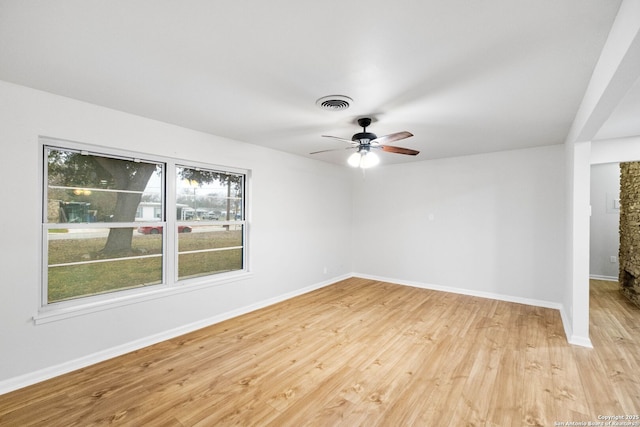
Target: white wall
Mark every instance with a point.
(488, 224)
(605, 220)
(615, 150)
(300, 223)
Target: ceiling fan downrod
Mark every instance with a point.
(364, 137)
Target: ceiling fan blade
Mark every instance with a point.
(398, 150)
(340, 139)
(391, 137)
(333, 149)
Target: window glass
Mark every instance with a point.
(208, 195)
(90, 199)
(210, 249)
(210, 211)
(78, 265)
(84, 187)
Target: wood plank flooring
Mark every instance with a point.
(361, 352)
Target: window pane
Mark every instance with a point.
(208, 195)
(92, 188)
(210, 249)
(79, 266)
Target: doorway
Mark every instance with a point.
(604, 240)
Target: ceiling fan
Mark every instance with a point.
(365, 142)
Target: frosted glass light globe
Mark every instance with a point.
(354, 159)
(363, 159)
(369, 160)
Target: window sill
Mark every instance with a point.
(56, 313)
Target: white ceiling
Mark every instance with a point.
(464, 76)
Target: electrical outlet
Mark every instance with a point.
(613, 259)
(326, 270)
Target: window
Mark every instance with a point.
(105, 216)
(210, 229)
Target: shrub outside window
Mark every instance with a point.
(105, 216)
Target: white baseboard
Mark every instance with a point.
(568, 331)
(605, 278)
(566, 323)
(25, 380)
(481, 294)
(580, 341)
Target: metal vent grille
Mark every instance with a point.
(334, 102)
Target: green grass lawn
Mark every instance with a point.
(122, 272)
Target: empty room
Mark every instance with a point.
(318, 213)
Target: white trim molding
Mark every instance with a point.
(481, 294)
(566, 322)
(605, 278)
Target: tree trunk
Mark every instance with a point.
(119, 239)
(130, 177)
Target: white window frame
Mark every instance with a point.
(170, 285)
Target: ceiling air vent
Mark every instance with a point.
(334, 102)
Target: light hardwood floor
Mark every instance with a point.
(361, 352)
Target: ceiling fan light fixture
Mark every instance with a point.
(364, 141)
(354, 160)
(363, 159)
(369, 160)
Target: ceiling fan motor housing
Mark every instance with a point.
(363, 137)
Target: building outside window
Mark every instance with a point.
(114, 223)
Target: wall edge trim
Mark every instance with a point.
(566, 323)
